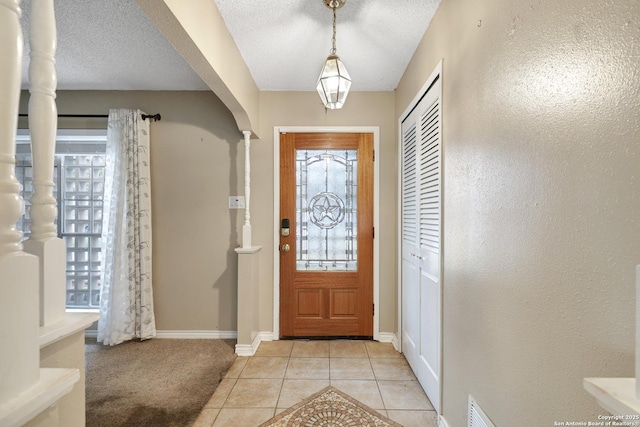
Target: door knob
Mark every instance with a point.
(285, 248)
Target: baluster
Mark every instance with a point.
(10, 76)
(43, 117)
(19, 353)
(43, 124)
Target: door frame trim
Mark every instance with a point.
(375, 130)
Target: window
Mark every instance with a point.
(79, 173)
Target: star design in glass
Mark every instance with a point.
(326, 209)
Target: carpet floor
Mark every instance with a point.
(158, 382)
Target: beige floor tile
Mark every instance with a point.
(350, 368)
(265, 367)
(237, 367)
(310, 349)
(414, 418)
(294, 391)
(404, 395)
(275, 348)
(381, 349)
(221, 393)
(392, 369)
(229, 417)
(254, 393)
(308, 368)
(347, 348)
(362, 390)
(382, 412)
(253, 388)
(206, 418)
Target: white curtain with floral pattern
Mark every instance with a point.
(126, 297)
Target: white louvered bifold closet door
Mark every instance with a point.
(421, 240)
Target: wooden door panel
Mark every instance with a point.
(343, 303)
(326, 303)
(309, 303)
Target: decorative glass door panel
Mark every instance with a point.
(326, 237)
(326, 210)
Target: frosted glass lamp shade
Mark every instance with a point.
(334, 83)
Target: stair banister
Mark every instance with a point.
(27, 391)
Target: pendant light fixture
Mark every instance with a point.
(334, 81)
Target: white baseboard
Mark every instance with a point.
(250, 349)
(211, 335)
(442, 422)
(390, 337)
(204, 335)
(266, 336)
(396, 343)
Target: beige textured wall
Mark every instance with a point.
(305, 109)
(195, 234)
(541, 156)
(196, 159)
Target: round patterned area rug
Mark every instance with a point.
(330, 408)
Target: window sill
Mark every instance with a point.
(83, 310)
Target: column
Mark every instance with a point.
(248, 300)
(246, 228)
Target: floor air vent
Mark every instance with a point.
(477, 417)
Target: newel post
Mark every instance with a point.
(43, 126)
(19, 352)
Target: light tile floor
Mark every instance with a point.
(282, 373)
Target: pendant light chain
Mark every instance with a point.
(334, 81)
(333, 39)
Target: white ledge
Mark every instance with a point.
(53, 384)
(616, 395)
(251, 250)
(72, 323)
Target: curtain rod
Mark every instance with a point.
(154, 117)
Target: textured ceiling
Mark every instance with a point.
(285, 42)
(112, 45)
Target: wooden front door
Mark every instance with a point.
(326, 257)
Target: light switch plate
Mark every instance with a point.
(236, 202)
